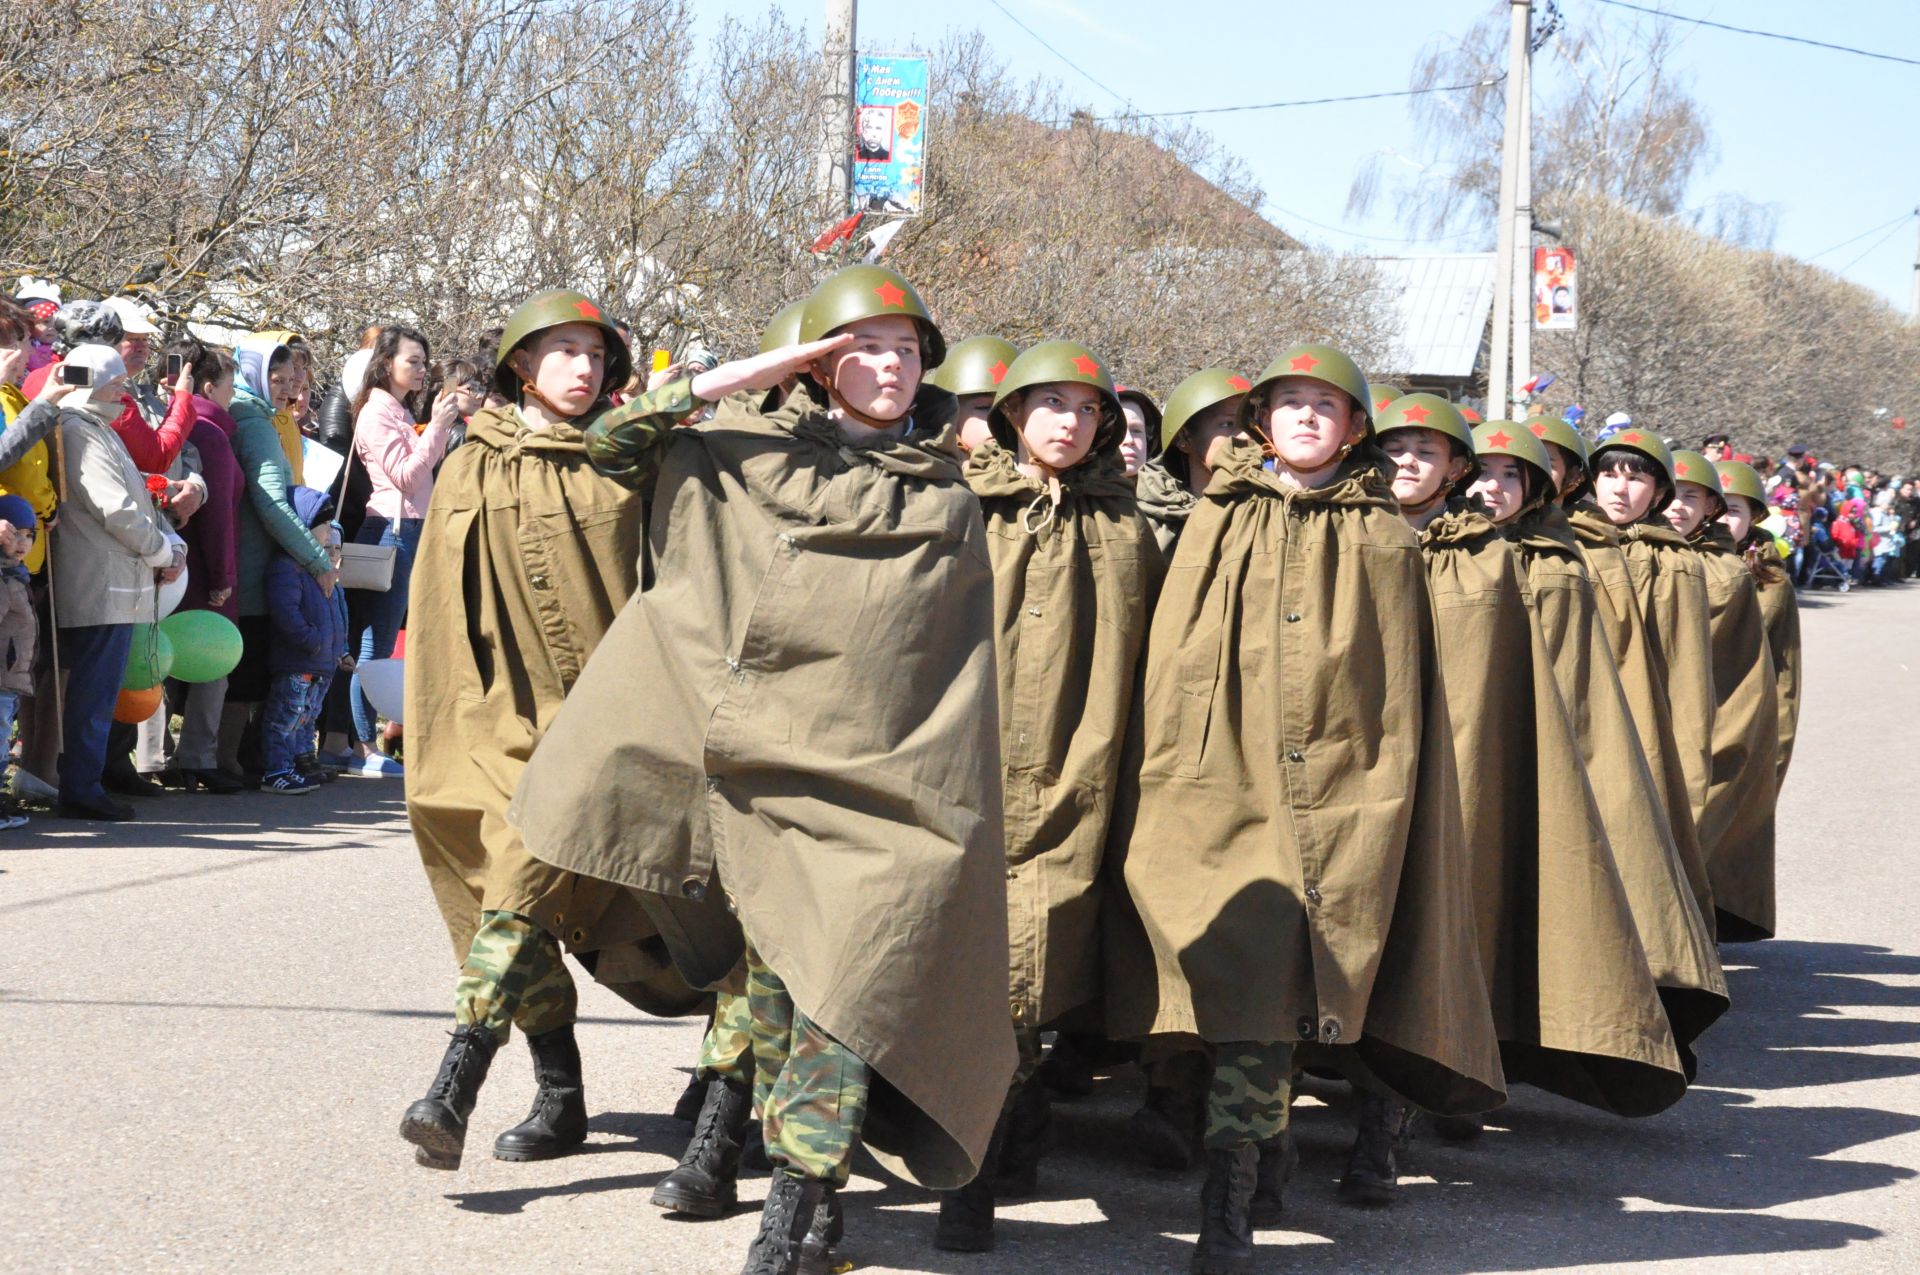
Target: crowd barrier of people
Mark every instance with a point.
(950, 725)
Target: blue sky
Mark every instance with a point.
(1827, 138)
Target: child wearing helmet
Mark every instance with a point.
(787, 749)
(525, 557)
(1074, 571)
(1737, 828)
(972, 373)
(1201, 420)
(1310, 770)
(1745, 519)
(1143, 417)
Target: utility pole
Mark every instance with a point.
(836, 145)
(1512, 161)
(1913, 314)
(1523, 243)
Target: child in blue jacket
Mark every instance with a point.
(309, 646)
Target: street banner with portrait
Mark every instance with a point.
(1556, 292)
(889, 132)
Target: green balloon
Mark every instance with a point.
(150, 660)
(206, 645)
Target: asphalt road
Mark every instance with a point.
(213, 1019)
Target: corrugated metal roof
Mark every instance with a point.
(1443, 302)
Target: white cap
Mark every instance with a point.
(105, 361)
(135, 319)
(1619, 418)
(353, 376)
(32, 289)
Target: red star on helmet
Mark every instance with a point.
(1502, 439)
(890, 295)
(1087, 366)
(1304, 363)
(587, 309)
(1681, 470)
(1416, 415)
(1635, 437)
(1240, 383)
(998, 371)
(1539, 429)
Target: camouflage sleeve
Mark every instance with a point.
(625, 442)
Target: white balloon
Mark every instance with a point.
(384, 681)
(171, 593)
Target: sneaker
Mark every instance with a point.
(309, 767)
(338, 763)
(28, 784)
(375, 766)
(287, 783)
(10, 820)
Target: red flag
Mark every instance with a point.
(843, 230)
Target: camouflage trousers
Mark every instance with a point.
(1252, 1082)
(812, 1090)
(514, 975)
(726, 1052)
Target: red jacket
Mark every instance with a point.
(153, 450)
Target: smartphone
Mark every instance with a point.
(662, 360)
(174, 363)
(72, 374)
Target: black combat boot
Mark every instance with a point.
(1167, 1128)
(1279, 1157)
(1028, 1138)
(705, 1182)
(1068, 1069)
(816, 1250)
(784, 1223)
(437, 1124)
(686, 1108)
(1372, 1174)
(558, 1122)
(966, 1216)
(1225, 1246)
(1459, 1128)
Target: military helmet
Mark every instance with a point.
(1312, 362)
(1149, 410)
(1471, 417)
(1634, 439)
(1692, 467)
(783, 329)
(1195, 395)
(976, 365)
(1426, 411)
(1380, 394)
(854, 293)
(552, 309)
(1048, 363)
(1510, 438)
(1554, 430)
(1737, 478)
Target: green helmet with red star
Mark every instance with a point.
(1510, 438)
(867, 292)
(1634, 439)
(553, 309)
(1195, 395)
(1692, 467)
(783, 329)
(976, 365)
(1426, 411)
(1551, 429)
(1057, 362)
(1737, 478)
(1314, 362)
(1380, 394)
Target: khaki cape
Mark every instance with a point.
(1573, 995)
(1643, 678)
(1070, 609)
(1782, 610)
(1572, 641)
(796, 722)
(1737, 831)
(525, 558)
(1164, 502)
(1297, 860)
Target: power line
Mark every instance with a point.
(1057, 53)
(1769, 35)
(1342, 230)
(1857, 238)
(1305, 101)
(1875, 247)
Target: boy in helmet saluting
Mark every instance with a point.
(787, 747)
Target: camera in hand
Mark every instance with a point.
(74, 374)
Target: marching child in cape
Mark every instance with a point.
(1746, 512)
(1074, 571)
(1736, 830)
(1298, 862)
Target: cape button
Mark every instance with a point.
(713, 783)
(537, 581)
(1293, 617)
(1313, 894)
(1331, 1030)
(1306, 1028)
(1295, 755)
(694, 888)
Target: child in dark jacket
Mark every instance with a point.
(309, 644)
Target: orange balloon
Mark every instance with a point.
(135, 707)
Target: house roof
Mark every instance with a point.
(1443, 302)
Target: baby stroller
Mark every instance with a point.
(1826, 565)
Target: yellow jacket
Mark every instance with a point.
(29, 478)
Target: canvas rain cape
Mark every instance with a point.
(1572, 992)
(526, 557)
(1070, 606)
(1297, 860)
(793, 732)
(1571, 641)
(1782, 611)
(1165, 503)
(1737, 830)
(1643, 679)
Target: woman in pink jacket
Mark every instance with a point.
(400, 459)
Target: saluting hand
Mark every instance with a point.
(764, 371)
